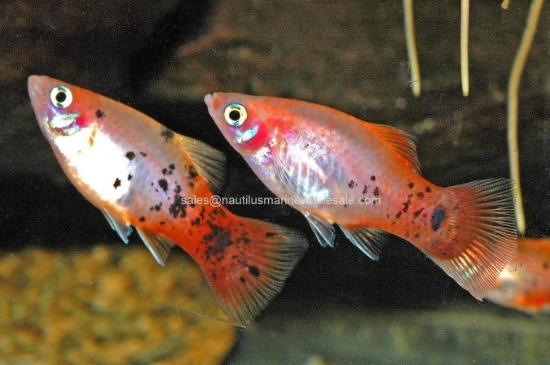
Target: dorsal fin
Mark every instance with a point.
(209, 162)
(402, 143)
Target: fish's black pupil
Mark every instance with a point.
(234, 115)
(60, 97)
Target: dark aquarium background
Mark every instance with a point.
(72, 293)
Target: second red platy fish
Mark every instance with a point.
(525, 282)
(365, 177)
(141, 174)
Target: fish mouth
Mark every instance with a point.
(212, 103)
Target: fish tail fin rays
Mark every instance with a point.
(249, 268)
(475, 235)
(368, 240)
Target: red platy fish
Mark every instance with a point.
(365, 177)
(525, 282)
(141, 174)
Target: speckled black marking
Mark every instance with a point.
(143, 154)
(372, 178)
(376, 192)
(352, 184)
(163, 184)
(158, 206)
(142, 219)
(243, 280)
(428, 189)
(217, 240)
(407, 203)
(398, 215)
(177, 209)
(420, 195)
(365, 189)
(116, 183)
(196, 221)
(193, 172)
(130, 155)
(177, 189)
(172, 166)
(545, 265)
(129, 177)
(438, 216)
(270, 234)
(417, 235)
(410, 185)
(162, 223)
(254, 271)
(417, 213)
(167, 134)
(99, 114)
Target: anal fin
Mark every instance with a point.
(324, 231)
(368, 240)
(159, 246)
(124, 230)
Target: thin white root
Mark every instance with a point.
(411, 47)
(464, 67)
(513, 87)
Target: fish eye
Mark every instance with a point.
(61, 97)
(235, 114)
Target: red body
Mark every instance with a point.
(365, 177)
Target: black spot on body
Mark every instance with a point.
(438, 216)
(352, 184)
(130, 155)
(376, 192)
(420, 195)
(143, 154)
(254, 271)
(270, 234)
(158, 206)
(177, 189)
(372, 178)
(172, 166)
(116, 183)
(142, 219)
(428, 189)
(167, 134)
(99, 114)
(129, 177)
(365, 189)
(398, 215)
(177, 208)
(193, 172)
(417, 213)
(410, 185)
(163, 184)
(243, 280)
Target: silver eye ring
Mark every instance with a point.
(235, 114)
(61, 97)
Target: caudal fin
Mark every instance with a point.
(247, 263)
(477, 234)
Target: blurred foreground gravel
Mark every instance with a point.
(107, 305)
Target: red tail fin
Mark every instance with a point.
(247, 263)
(477, 236)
